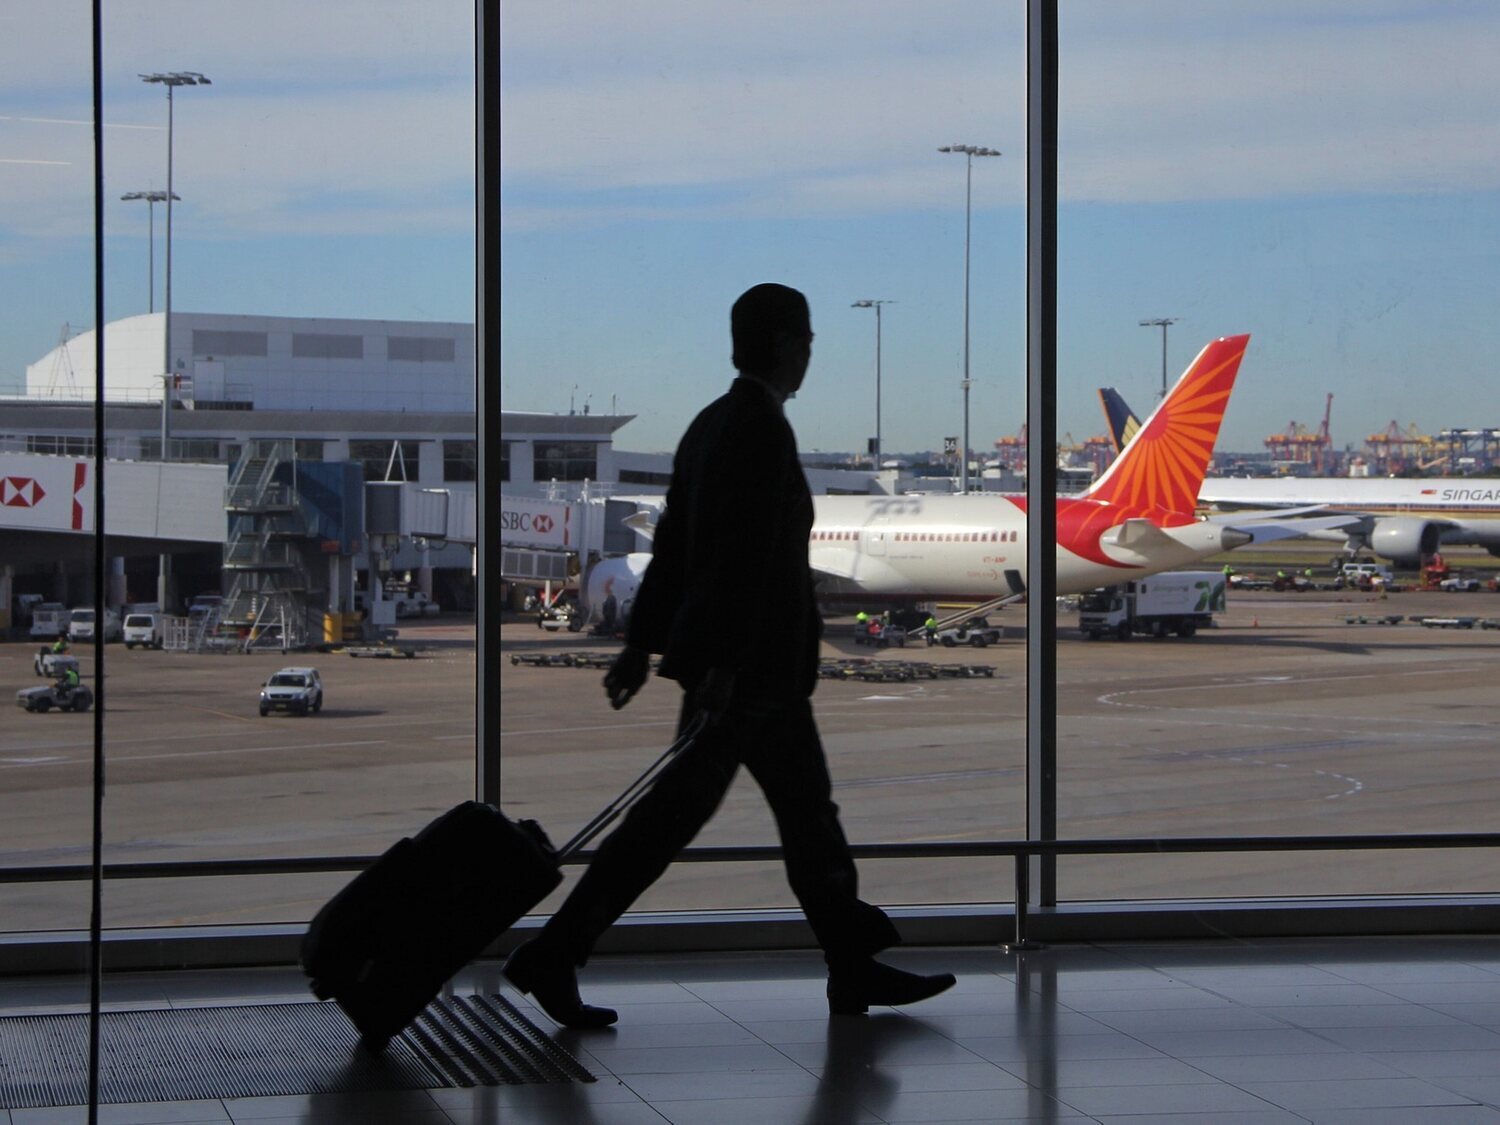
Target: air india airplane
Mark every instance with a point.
(1137, 519)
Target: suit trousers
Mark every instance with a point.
(779, 744)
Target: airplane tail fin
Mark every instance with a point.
(1163, 465)
(1118, 416)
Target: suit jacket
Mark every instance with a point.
(729, 585)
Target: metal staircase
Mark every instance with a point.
(267, 602)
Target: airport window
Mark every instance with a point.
(460, 460)
(368, 99)
(504, 461)
(386, 460)
(1254, 764)
(420, 349)
(196, 449)
(216, 343)
(640, 476)
(319, 345)
(1151, 191)
(67, 446)
(565, 461)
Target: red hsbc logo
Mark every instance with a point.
(541, 524)
(20, 492)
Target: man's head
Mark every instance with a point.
(772, 331)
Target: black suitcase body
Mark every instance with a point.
(383, 946)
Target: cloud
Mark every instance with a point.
(1178, 102)
(329, 118)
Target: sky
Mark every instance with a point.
(1322, 174)
(328, 170)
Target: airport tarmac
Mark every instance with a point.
(1282, 720)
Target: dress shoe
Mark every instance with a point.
(553, 984)
(853, 988)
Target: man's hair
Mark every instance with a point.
(757, 317)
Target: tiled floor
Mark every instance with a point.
(1329, 1031)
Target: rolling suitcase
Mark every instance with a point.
(383, 947)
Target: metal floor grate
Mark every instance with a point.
(187, 1054)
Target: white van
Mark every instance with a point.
(49, 619)
(84, 621)
(143, 629)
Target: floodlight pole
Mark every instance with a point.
(969, 152)
(171, 80)
(152, 198)
(875, 304)
(1161, 322)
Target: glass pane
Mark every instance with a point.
(323, 175)
(1305, 177)
(814, 149)
(47, 279)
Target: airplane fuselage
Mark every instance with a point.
(925, 548)
(1425, 496)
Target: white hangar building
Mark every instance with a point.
(223, 361)
(397, 397)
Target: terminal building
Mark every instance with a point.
(255, 403)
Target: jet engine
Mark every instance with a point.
(1406, 539)
(619, 577)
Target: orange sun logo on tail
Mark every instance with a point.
(1164, 465)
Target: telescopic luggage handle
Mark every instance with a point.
(611, 812)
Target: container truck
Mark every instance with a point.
(1175, 601)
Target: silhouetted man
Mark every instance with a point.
(736, 526)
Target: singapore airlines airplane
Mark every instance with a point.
(1402, 519)
(1137, 519)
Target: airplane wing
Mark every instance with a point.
(1234, 517)
(1270, 530)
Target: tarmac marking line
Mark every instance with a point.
(117, 759)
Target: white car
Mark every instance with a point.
(143, 629)
(85, 620)
(1459, 582)
(298, 690)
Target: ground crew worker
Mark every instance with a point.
(931, 626)
(60, 645)
(861, 624)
